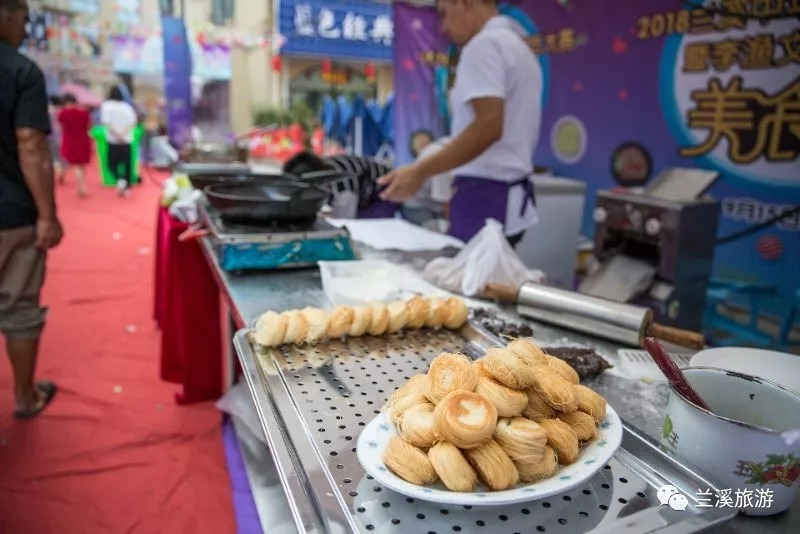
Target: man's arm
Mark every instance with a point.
(36, 163)
(31, 126)
(481, 77)
(483, 132)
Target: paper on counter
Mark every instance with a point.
(639, 365)
(347, 283)
(395, 234)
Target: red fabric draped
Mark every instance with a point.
(187, 311)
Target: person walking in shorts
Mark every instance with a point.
(29, 225)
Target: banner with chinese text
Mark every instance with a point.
(637, 86)
(355, 29)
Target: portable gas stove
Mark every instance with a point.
(276, 246)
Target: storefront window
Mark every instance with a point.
(312, 84)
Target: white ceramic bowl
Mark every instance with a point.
(745, 444)
(779, 367)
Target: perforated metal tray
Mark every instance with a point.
(313, 402)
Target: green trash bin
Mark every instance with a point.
(98, 133)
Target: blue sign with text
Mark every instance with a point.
(344, 29)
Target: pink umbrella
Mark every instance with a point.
(82, 94)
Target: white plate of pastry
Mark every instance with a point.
(513, 426)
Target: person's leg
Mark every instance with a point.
(58, 165)
(80, 178)
(62, 178)
(22, 267)
(23, 354)
(60, 171)
(147, 152)
(126, 173)
(116, 163)
(113, 162)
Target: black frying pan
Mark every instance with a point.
(253, 202)
(202, 180)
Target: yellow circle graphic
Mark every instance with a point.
(568, 139)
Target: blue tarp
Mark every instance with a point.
(329, 117)
(345, 116)
(372, 137)
(375, 110)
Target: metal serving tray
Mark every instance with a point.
(313, 401)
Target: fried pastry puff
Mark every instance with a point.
(270, 329)
(465, 419)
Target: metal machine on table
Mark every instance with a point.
(260, 221)
(656, 248)
(273, 246)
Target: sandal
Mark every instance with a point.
(47, 392)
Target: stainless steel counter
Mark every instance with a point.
(248, 295)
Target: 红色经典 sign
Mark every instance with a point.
(353, 29)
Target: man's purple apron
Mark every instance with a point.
(477, 199)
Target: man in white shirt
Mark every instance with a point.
(120, 119)
(431, 201)
(496, 108)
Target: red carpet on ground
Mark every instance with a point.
(113, 453)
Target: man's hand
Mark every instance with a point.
(48, 233)
(401, 183)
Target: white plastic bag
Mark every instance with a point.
(238, 403)
(184, 207)
(487, 258)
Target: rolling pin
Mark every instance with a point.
(616, 321)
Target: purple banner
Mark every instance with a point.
(637, 86)
(417, 114)
(177, 80)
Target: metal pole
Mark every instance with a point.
(358, 137)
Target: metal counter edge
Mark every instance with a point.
(287, 463)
